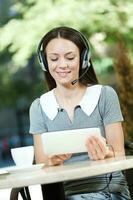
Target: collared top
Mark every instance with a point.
(98, 107)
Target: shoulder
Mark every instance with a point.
(35, 103)
(102, 92)
(46, 96)
(109, 106)
(108, 89)
(109, 99)
(35, 107)
(108, 92)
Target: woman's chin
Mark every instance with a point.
(65, 83)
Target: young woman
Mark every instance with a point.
(76, 101)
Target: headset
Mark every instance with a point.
(85, 55)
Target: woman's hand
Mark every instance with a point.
(97, 147)
(58, 159)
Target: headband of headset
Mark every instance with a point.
(85, 55)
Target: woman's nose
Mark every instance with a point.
(62, 63)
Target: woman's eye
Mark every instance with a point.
(54, 59)
(70, 58)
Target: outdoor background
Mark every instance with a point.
(108, 25)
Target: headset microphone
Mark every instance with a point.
(76, 80)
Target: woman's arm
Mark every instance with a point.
(112, 146)
(41, 157)
(115, 139)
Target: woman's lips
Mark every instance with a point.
(63, 73)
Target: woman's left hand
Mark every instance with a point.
(97, 147)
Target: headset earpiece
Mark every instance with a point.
(85, 59)
(41, 56)
(42, 60)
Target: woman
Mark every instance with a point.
(75, 101)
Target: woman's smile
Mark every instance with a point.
(63, 74)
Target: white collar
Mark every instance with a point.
(88, 102)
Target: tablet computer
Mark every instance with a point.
(68, 141)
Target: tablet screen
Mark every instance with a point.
(68, 141)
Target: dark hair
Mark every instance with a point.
(80, 41)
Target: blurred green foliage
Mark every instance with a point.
(105, 23)
(22, 34)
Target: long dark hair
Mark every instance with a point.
(78, 39)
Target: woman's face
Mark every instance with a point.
(63, 59)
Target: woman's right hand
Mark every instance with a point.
(58, 159)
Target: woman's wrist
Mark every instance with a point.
(48, 162)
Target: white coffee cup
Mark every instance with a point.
(23, 156)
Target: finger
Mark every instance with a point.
(100, 147)
(91, 150)
(95, 150)
(56, 161)
(63, 156)
(102, 144)
(67, 155)
(97, 153)
(88, 146)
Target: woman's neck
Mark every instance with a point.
(69, 92)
